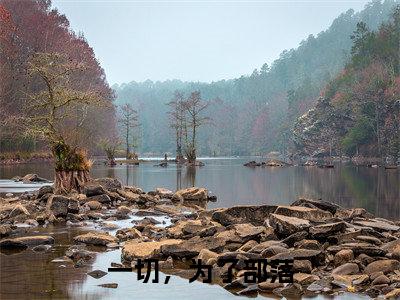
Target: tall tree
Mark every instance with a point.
(194, 107)
(177, 119)
(128, 120)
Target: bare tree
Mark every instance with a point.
(129, 120)
(178, 122)
(55, 103)
(194, 107)
(110, 146)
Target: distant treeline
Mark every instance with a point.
(255, 114)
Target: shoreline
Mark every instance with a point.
(334, 249)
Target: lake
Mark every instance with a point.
(27, 274)
(375, 189)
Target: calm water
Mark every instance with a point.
(30, 275)
(377, 190)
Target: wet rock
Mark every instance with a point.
(386, 266)
(41, 248)
(273, 250)
(302, 266)
(77, 252)
(252, 164)
(359, 248)
(369, 239)
(349, 214)
(109, 184)
(123, 210)
(57, 205)
(382, 279)
(189, 194)
(136, 249)
(95, 238)
(264, 245)
(377, 225)
(73, 206)
(33, 178)
(109, 285)
(395, 294)
(5, 230)
(97, 274)
(290, 290)
(325, 230)
(285, 225)
(254, 214)
(128, 234)
(47, 189)
(316, 257)
(164, 193)
(103, 198)
(18, 210)
(306, 213)
(269, 286)
(346, 269)
(93, 205)
(295, 237)
(147, 199)
(92, 189)
(248, 231)
(192, 247)
(308, 244)
(304, 279)
(248, 245)
(322, 285)
(128, 195)
(343, 256)
(250, 290)
(205, 255)
(26, 241)
(323, 205)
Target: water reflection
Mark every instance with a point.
(377, 190)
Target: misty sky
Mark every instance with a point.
(195, 40)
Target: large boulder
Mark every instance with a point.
(254, 214)
(33, 178)
(323, 205)
(26, 241)
(136, 249)
(325, 230)
(285, 225)
(93, 189)
(109, 184)
(384, 265)
(96, 238)
(311, 214)
(191, 194)
(315, 256)
(192, 247)
(378, 225)
(103, 198)
(57, 205)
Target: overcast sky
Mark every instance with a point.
(195, 40)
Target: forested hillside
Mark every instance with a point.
(255, 113)
(359, 111)
(31, 29)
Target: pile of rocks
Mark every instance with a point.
(334, 249)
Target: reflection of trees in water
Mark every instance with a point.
(376, 190)
(190, 176)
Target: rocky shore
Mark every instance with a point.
(334, 249)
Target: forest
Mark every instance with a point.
(255, 114)
(252, 114)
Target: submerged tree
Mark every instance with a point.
(178, 122)
(128, 120)
(52, 106)
(110, 147)
(194, 107)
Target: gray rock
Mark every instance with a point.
(254, 214)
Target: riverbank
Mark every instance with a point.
(334, 249)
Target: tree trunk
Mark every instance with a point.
(68, 181)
